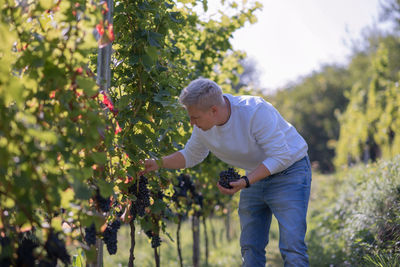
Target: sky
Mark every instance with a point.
(292, 38)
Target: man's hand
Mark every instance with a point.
(237, 185)
(149, 165)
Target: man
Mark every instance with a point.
(249, 133)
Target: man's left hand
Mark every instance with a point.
(236, 186)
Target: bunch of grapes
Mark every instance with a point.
(198, 199)
(184, 185)
(110, 236)
(149, 233)
(56, 249)
(25, 252)
(90, 235)
(142, 194)
(155, 241)
(225, 177)
(102, 203)
(5, 244)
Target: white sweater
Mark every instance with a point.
(255, 133)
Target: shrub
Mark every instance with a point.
(362, 222)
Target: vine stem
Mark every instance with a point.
(157, 257)
(178, 240)
(132, 249)
(205, 239)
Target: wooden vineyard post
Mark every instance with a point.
(103, 81)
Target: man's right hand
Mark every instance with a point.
(149, 166)
(173, 161)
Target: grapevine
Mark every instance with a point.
(225, 177)
(142, 194)
(59, 135)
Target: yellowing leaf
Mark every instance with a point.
(46, 4)
(66, 197)
(9, 203)
(56, 223)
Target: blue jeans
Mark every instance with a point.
(285, 195)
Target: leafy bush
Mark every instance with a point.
(361, 222)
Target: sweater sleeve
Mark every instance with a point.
(195, 151)
(265, 127)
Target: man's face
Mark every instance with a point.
(204, 119)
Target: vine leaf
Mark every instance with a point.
(81, 190)
(154, 38)
(99, 157)
(106, 189)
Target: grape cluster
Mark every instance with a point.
(25, 252)
(110, 236)
(225, 177)
(149, 233)
(184, 185)
(56, 249)
(5, 243)
(155, 241)
(142, 194)
(198, 199)
(102, 203)
(90, 235)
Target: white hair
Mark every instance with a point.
(202, 93)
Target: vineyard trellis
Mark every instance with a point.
(75, 123)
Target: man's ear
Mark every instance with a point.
(214, 109)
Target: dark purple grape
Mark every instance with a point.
(155, 241)
(102, 203)
(56, 249)
(110, 236)
(90, 235)
(25, 252)
(225, 177)
(149, 233)
(142, 194)
(5, 243)
(184, 185)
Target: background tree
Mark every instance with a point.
(391, 12)
(311, 106)
(369, 124)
